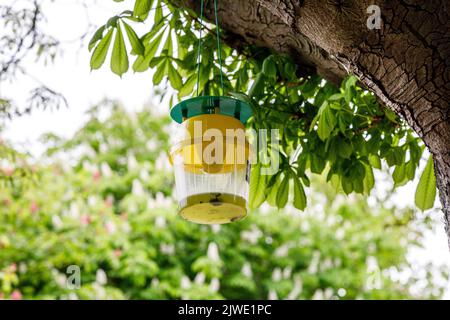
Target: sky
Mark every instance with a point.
(70, 74)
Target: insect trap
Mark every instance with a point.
(211, 159)
(210, 156)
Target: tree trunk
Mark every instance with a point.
(405, 62)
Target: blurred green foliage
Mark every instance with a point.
(102, 201)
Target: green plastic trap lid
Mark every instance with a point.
(209, 105)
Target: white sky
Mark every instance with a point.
(71, 75)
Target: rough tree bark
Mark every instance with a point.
(405, 63)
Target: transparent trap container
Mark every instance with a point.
(211, 159)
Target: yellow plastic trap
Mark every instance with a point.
(211, 159)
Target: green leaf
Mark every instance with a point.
(175, 21)
(335, 97)
(345, 148)
(135, 42)
(358, 186)
(369, 180)
(119, 58)
(127, 14)
(342, 123)
(350, 82)
(335, 182)
(112, 22)
(289, 70)
(272, 188)
(426, 189)
(161, 70)
(168, 45)
(316, 118)
(142, 62)
(188, 86)
(155, 29)
(390, 115)
(299, 194)
(395, 156)
(269, 68)
(305, 180)
(373, 144)
(410, 170)
(399, 175)
(357, 171)
(242, 96)
(257, 187)
(317, 164)
(375, 161)
(349, 88)
(399, 156)
(96, 37)
(242, 79)
(347, 185)
(142, 7)
(258, 86)
(100, 52)
(415, 151)
(157, 60)
(327, 121)
(174, 77)
(283, 192)
(205, 73)
(158, 12)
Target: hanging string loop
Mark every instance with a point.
(219, 49)
(200, 46)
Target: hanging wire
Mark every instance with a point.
(219, 49)
(218, 44)
(199, 46)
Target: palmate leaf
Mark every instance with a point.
(269, 67)
(375, 161)
(168, 46)
(299, 195)
(258, 86)
(410, 170)
(272, 191)
(158, 12)
(155, 29)
(100, 52)
(349, 85)
(174, 77)
(344, 148)
(119, 58)
(161, 70)
(399, 175)
(96, 37)
(283, 192)
(346, 184)
(426, 189)
(369, 180)
(142, 62)
(136, 43)
(142, 7)
(188, 86)
(257, 187)
(327, 121)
